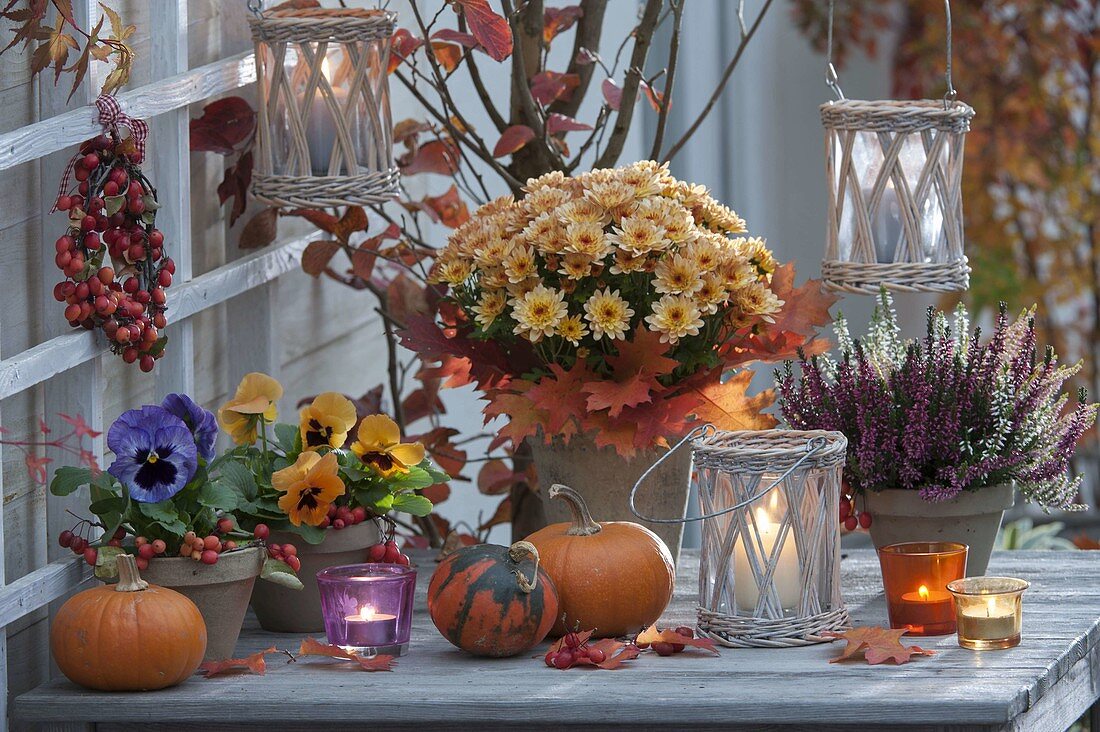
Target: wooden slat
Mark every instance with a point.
(40, 587)
(70, 128)
(172, 170)
(74, 348)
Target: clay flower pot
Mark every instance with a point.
(283, 610)
(220, 591)
(972, 518)
(604, 479)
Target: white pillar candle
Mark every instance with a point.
(321, 128)
(786, 577)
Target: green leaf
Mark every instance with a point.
(114, 204)
(415, 479)
(106, 562)
(411, 503)
(219, 495)
(109, 505)
(162, 511)
(240, 479)
(311, 534)
(280, 573)
(68, 479)
(285, 437)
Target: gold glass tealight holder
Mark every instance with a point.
(989, 611)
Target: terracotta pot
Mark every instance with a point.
(972, 518)
(604, 479)
(283, 610)
(220, 591)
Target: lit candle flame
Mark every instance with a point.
(990, 606)
(326, 70)
(365, 613)
(763, 521)
(923, 592)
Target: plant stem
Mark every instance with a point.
(666, 100)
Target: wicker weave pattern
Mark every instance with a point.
(734, 467)
(872, 148)
(296, 54)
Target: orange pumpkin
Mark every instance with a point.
(481, 600)
(614, 576)
(132, 636)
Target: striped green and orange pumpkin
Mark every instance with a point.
(493, 600)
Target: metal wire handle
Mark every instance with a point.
(813, 446)
(257, 7)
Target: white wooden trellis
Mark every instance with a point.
(165, 103)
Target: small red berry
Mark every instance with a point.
(147, 363)
(563, 659)
(549, 658)
(338, 524)
(77, 544)
(376, 553)
(90, 555)
(64, 203)
(145, 551)
(402, 559)
(865, 520)
(91, 161)
(851, 523)
(359, 514)
(225, 525)
(596, 655)
(209, 556)
(142, 563)
(392, 552)
(294, 562)
(65, 538)
(159, 546)
(261, 531)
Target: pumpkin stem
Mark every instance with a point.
(583, 524)
(516, 553)
(128, 578)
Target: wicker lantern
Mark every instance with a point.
(894, 172)
(769, 571)
(324, 133)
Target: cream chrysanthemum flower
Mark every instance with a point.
(553, 179)
(496, 206)
(721, 218)
(627, 262)
(638, 236)
(756, 250)
(583, 211)
(575, 266)
(572, 329)
(492, 278)
(546, 233)
(544, 200)
(692, 195)
(737, 272)
(610, 195)
(705, 252)
(538, 313)
(519, 289)
(453, 271)
(677, 274)
(675, 316)
(588, 239)
(711, 295)
(644, 177)
(490, 306)
(609, 314)
(757, 299)
(493, 252)
(520, 264)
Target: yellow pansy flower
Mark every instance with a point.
(327, 421)
(309, 485)
(255, 400)
(378, 444)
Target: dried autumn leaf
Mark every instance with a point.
(561, 395)
(556, 21)
(524, 418)
(354, 219)
(490, 29)
(313, 647)
(513, 139)
(402, 45)
(727, 406)
(436, 156)
(651, 635)
(322, 220)
(254, 664)
(223, 126)
(496, 478)
(235, 184)
(317, 255)
(560, 123)
(466, 40)
(612, 94)
(615, 395)
(643, 354)
(437, 442)
(549, 86)
(449, 55)
(877, 645)
(448, 208)
(502, 515)
(656, 98)
(260, 229)
(806, 308)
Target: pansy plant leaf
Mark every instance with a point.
(280, 573)
(411, 503)
(68, 479)
(218, 495)
(106, 562)
(286, 438)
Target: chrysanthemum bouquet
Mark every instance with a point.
(301, 478)
(947, 413)
(160, 497)
(613, 302)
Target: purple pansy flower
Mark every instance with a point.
(155, 454)
(201, 422)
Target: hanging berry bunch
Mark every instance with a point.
(112, 254)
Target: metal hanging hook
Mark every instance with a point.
(831, 79)
(951, 94)
(256, 7)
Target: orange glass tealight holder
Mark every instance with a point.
(990, 611)
(915, 576)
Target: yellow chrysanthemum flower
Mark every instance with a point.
(453, 271)
(496, 206)
(538, 313)
(757, 299)
(519, 289)
(677, 274)
(326, 421)
(610, 195)
(756, 250)
(254, 401)
(609, 314)
(575, 266)
(378, 444)
(309, 486)
(520, 264)
(572, 329)
(711, 295)
(705, 252)
(644, 177)
(489, 307)
(545, 232)
(638, 236)
(627, 262)
(587, 239)
(493, 278)
(545, 200)
(493, 251)
(553, 179)
(583, 211)
(675, 316)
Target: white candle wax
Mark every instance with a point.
(786, 577)
(886, 223)
(321, 127)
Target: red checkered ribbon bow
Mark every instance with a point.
(111, 117)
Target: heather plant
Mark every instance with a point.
(946, 413)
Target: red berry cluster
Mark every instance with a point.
(387, 552)
(663, 648)
(850, 518)
(81, 545)
(112, 214)
(340, 517)
(573, 648)
(282, 552)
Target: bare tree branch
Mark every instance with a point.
(479, 85)
(587, 36)
(666, 100)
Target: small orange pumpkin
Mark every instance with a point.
(614, 576)
(132, 636)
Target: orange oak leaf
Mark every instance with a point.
(560, 395)
(402, 44)
(877, 645)
(449, 55)
(313, 647)
(805, 308)
(656, 421)
(524, 418)
(254, 664)
(642, 355)
(448, 208)
(556, 21)
(615, 395)
(490, 29)
(513, 139)
(728, 407)
(618, 433)
(549, 86)
(651, 635)
(380, 662)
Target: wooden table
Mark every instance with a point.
(1044, 684)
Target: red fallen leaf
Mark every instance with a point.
(436, 156)
(80, 427)
(727, 406)
(549, 86)
(805, 308)
(260, 229)
(317, 255)
(402, 45)
(612, 94)
(381, 662)
(254, 663)
(449, 209)
(878, 645)
(449, 55)
(223, 126)
(560, 123)
(513, 139)
(466, 40)
(311, 647)
(615, 395)
(490, 29)
(651, 635)
(556, 21)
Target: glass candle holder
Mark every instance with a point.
(915, 576)
(368, 607)
(989, 611)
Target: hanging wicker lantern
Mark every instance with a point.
(324, 132)
(894, 171)
(769, 571)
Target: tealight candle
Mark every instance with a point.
(915, 577)
(990, 611)
(369, 628)
(368, 607)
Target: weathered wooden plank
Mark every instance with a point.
(36, 589)
(74, 348)
(70, 128)
(1048, 678)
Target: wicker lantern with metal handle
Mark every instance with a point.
(324, 132)
(769, 571)
(894, 172)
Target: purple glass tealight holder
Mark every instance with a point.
(368, 607)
